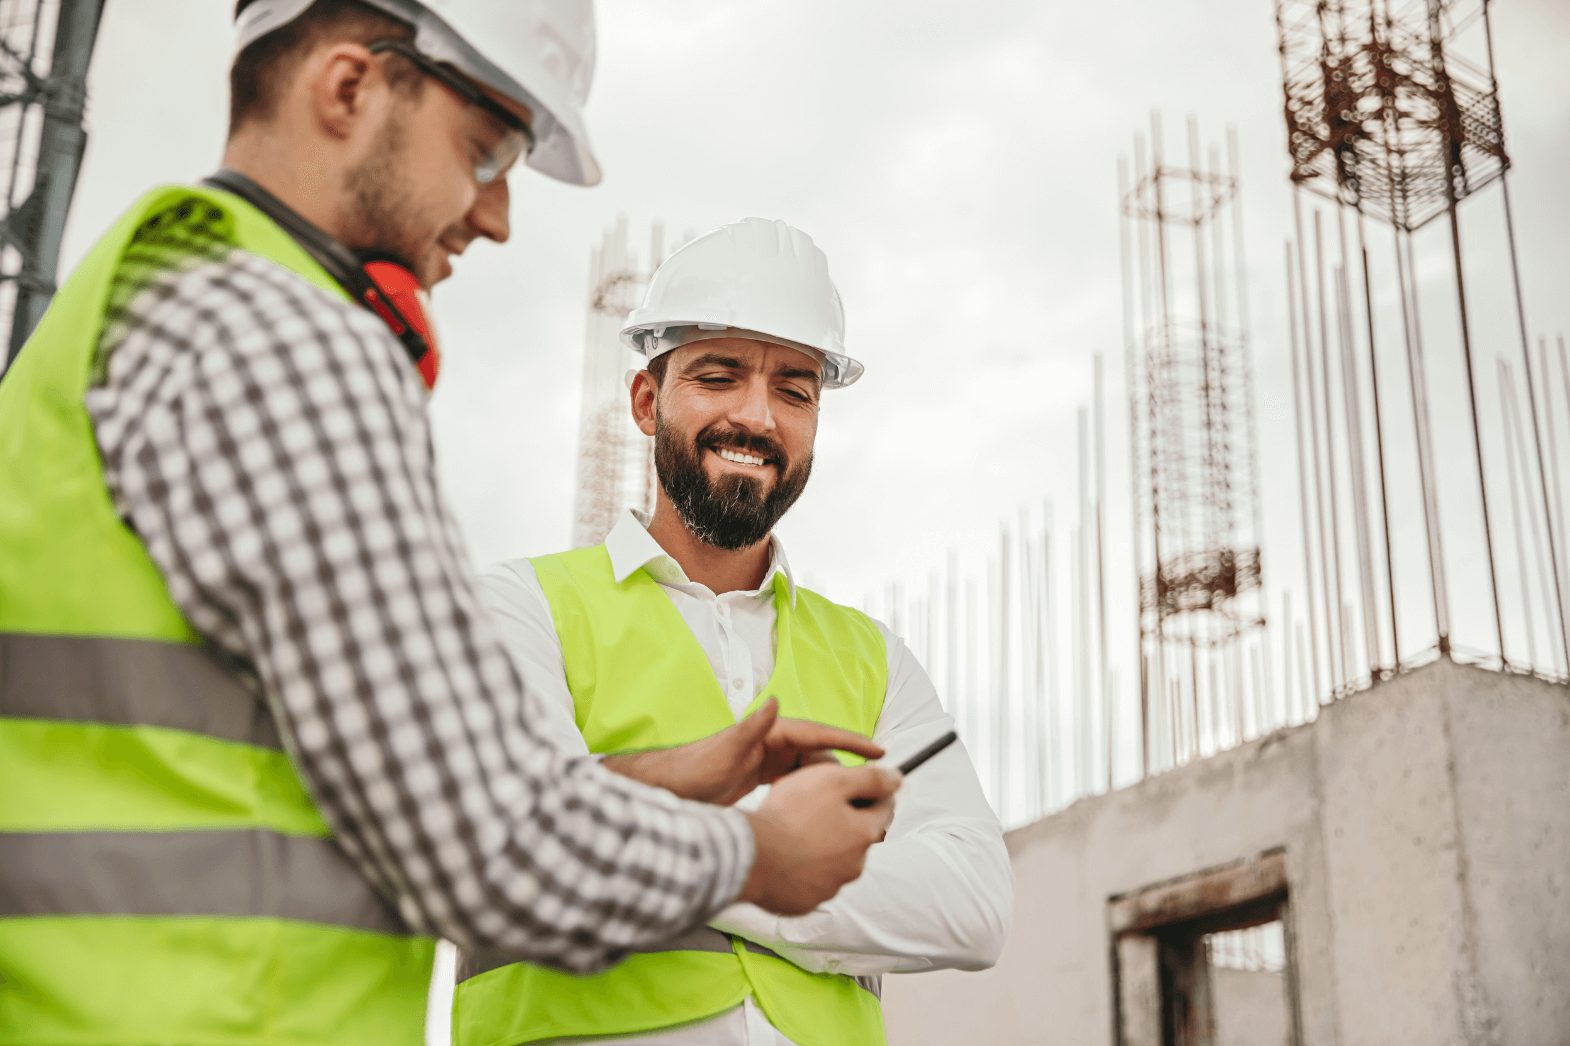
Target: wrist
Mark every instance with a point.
(753, 886)
(644, 767)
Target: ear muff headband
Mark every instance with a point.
(383, 285)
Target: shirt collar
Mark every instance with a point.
(632, 548)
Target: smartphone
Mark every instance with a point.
(916, 760)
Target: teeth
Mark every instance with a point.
(738, 457)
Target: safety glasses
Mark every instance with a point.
(517, 139)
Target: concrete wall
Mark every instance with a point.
(1250, 1008)
(1426, 826)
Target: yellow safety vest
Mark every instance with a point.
(164, 876)
(639, 679)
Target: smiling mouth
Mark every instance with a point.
(742, 458)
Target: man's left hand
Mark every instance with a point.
(723, 767)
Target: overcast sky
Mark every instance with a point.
(957, 162)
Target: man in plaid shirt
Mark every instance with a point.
(267, 444)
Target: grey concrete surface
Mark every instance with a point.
(1250, 1008)
(1426, 827)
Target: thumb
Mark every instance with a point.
(754, 728)
(871, 782)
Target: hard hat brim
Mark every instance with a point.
(839, 370)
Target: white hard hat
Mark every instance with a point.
(759, 278)
(537, 53)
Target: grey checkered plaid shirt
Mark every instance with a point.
(269, 444)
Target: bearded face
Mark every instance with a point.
(740, 506)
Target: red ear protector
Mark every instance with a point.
(383, 285)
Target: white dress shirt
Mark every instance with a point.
(937, 893)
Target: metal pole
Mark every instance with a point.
(1477, 431)
(1564, 371)
(1000, 650)
(1302, 667)
(1288, 705)
(1353, 408)
(1312, 403)
(1418, 384)
(1302, 471)
(1563, 532)
(1054, 706)
(1107, 719)
(1379, 444)
(1135, 545)
(1325, 368)
(1526, 360)
(1163, 350)
(951, 664)
(61, 143)
(1509, 423)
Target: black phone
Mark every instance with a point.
(916, 760)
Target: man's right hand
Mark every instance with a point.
(810, 840)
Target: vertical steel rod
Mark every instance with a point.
(1086, 684)
(1411, 314)
(1326, 386)
(1136, 550)
(1513, 418)
(1379, 444)
(1477, 430)
(1105, 666)
(1003, 682)
(1050, 614)
(1564, 371)
(1302, 665)
(1508, 421)
(1288, 703)
(1162, 348)
(1302, 470)
(1526, 361)
(1353, 409)
(1563, 531)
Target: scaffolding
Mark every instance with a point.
(1194, 474)
(45, 46)
(615, 460)
(1391, 122)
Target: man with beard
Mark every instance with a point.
(250, 759)
(647, 648)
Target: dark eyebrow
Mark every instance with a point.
(712, 359)
(803, 373)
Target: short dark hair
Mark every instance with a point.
(260, 72)
(657, 368)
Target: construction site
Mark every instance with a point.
(1323, 820)
(1274, 705)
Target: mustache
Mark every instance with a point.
(735, 439)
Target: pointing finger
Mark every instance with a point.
(804, 733)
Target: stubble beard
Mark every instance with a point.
(382, 205)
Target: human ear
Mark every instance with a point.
(340, 78)
(643, 393)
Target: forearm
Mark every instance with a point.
(286, 492)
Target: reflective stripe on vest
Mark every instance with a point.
(129, 682)
(699, 939)
(639, 679)
(164, 874)
(240, 873)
